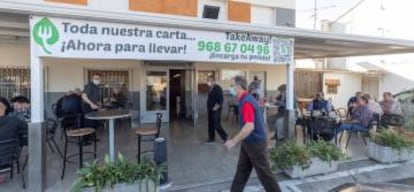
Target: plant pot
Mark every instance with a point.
(316, 167)
(142, 186)
(385, 154)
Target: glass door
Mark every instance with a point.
(156, 95)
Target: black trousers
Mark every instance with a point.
(214, 124)
(88, 122)
(253, 155)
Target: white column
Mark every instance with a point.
(36, 151)
(37, 91)
(290, 81)
(290, 96)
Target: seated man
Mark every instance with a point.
(10, 126)
(72, 103)
(276, 121)
(21, 107)
(360, 118)
(390, 105)
(319, 104)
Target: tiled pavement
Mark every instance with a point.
(193, 165)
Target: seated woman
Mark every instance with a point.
(360, 118)
(10, 125)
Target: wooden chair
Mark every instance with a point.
(74, 134)
(342, 114)
(152, 132)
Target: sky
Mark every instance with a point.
(382, 18)
(369, 18)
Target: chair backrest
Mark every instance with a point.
(392, 120)
(9, 150)
(324, 126)
(342, 113)
(70, 121)
(159, 121)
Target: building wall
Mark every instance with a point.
(263, 15)
(393, 83)
(269, 12)
(350, 83)
(14, 53)
(67, 74)
(108, 4)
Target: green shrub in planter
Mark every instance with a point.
(111, 173)
(290, 154)
(325, 151)
(390, 138)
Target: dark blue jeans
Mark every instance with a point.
(350, 127)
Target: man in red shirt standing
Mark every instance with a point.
(253, 141)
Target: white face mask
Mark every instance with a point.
(96, 82)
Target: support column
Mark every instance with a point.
(36, 166)
(290, 99)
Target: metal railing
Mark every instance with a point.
(14, 81)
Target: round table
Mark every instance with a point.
(109, 115)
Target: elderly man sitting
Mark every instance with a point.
(360, 118)
(10, 125)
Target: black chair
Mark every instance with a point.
(363, 133)
(9, 155)
(233, 109)
(23, 141)
(76, 135)
(152, 132)
(51, 127)
(323, 127)
(395, 120)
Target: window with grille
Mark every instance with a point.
(14, 81)
(110, 79)
(332, 85)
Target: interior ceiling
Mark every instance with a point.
(307, 45)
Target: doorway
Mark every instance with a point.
(178, 109)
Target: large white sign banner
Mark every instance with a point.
(68, 38)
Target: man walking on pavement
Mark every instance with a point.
(214, 107)
(253, 142)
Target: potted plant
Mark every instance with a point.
(388, 146)
(312, 159)
(120, 175)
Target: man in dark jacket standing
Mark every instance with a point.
(253, 139)
(91, 98)
(214, 107)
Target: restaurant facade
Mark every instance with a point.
(159, 53)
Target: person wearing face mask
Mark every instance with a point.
(214, 106)
(91, 97)
(253, 139)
